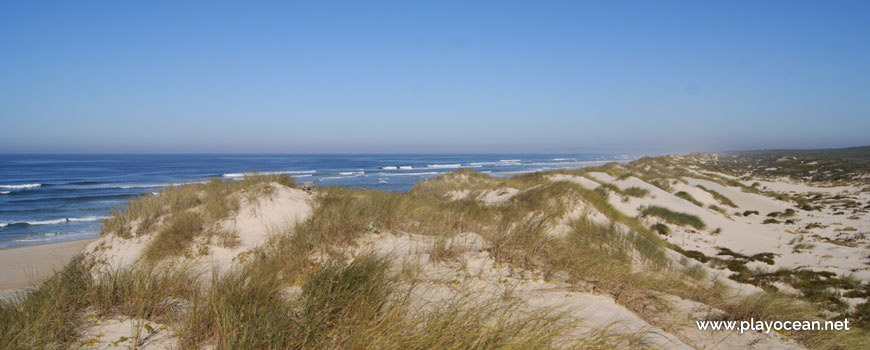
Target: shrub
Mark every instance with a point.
(661, 229)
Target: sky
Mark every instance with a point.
(432, 77)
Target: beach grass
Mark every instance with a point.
(673, 217)
(300, 291)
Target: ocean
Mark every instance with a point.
(51, 198)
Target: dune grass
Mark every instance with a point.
(636, 192)
(283, 298)
(213, 198)
(673, 217)
(47, 317)
(688, 197)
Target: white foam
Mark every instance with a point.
(444, 166)
(46, 222)
(406, 167)
(157, 185)
(63, 220)
(3, 224)
(4, 192)
(352, 173)
(90, 218)
(412, 174)
(17, 187)
(389, 168)
(287, 172)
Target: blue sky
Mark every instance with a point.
(441, 76)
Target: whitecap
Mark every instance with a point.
(287, 172)
(46, 222)
(90, 218)
(389, 168)
(444, 166)
(4, 192)
(412, 174)
(18, 187)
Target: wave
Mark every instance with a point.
(287, 172)
(55, 221)
(444, 166)
(77, 198)
(352, 173)
(4, 192)
(389, 168)
(84, 183)
(412, 174)
(510, 160)
(18, 187)
(406, 167)
(47, 238)
(153, 185)
(400, 167)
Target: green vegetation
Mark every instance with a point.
(716, 208)
(688, 197)
(636, 192)
(661, 229)
(302, 291)
(673, 217)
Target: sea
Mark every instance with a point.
(50, 198)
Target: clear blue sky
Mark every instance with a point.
(465, 76)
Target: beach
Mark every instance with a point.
(22, 267)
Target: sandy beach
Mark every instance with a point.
(22, 267)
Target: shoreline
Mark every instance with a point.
(25, 266)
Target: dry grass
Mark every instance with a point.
(357, 303)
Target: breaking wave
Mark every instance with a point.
(19, 187)
(444, 166)
(55, 221)
(287, 172)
